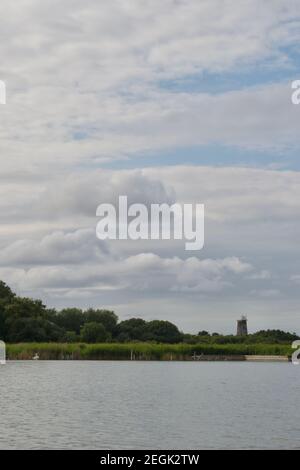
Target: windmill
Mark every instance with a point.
(242, 328)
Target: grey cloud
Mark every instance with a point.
(143, 272)
(77, 196)
(54, 249)
(87, 78)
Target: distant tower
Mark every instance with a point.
(242, 329)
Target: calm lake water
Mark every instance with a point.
(149, 405)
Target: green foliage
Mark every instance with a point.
(6, 294)
(25, 308)
(93, 332)
(34, 329)
(106, 317)
(71, 319)
(132, 329)
(263, 337)
(139, 330)
(71, 337)
(163, 332)
(273, 336)
(141, 351)
(26, 320)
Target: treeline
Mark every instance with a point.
(261, 337)
(24, 320)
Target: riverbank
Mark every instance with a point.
(146, 351)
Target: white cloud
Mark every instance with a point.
(84, 78)
(262, 275)
(248, 212)
(234, 194)
(266, 293)
(295, 278)
(87, 83)
(143, 272)
(54, 249)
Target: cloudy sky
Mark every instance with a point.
(165, 101)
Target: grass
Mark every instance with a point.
(140, 351)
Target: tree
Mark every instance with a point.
(93, 332)
(163, 332)
(70, 337)
(132, 329)
(3, 326)
(33, 330)
(273, 336)
(24, 330)
(71, 319)
(24, 319)
(6, 294)
(203, 333)
(22, 307)
(106, 317)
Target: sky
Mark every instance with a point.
(174, 101)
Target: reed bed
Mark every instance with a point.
(137, 351)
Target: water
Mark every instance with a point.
(149, 405)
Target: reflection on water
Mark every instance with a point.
(149, 405)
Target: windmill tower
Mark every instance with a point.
(242, 328)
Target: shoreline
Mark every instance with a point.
(260, 359)
(149, 352)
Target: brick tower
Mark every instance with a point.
(242, 329)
